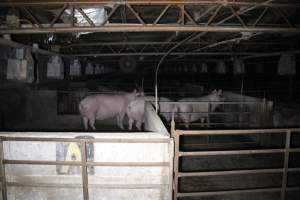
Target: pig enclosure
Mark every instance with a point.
(81, 165)
(26, 173)
(226, 73)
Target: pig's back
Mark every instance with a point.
(103, 106)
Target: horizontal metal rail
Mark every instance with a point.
(284, 170)
(218, 144)
(235, 172)
(96, 140)
(231, 172)
(210, 102)
(98, 186)
(231, 152)
(213, 123)
(213, 113)
(236, 132)
(231, 192)
(78, 163)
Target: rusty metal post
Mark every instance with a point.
(85, 183)
(286, 164)
(2, 168)
(171, 168)
(176, 136)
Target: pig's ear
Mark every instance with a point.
(220, 92)
(215, 91)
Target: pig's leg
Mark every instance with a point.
(186, 120)
(85, 123)
(92, 123)
(202, 121)
(138, 125)
(130, 122)
(118, 120)
(121, 117)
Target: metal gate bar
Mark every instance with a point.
(260, 107)
(284, 170)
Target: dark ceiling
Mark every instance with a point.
(152, 28)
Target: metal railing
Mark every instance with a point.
(84, 163)
(242, 110)
(284, 170)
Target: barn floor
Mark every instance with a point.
(70, 123)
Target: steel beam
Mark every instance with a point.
(183, 22)
(47, 3)
(149, 28)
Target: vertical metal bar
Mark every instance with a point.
(208, 114)
(2, 167)
(241, 107)
(264, 106)
(85, 183)
(176, 164)
(173, 124)
(286, 164)
(171, 168)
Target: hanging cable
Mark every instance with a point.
(162, 60)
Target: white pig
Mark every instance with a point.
(202, 109)
(104, 106)
(135, 112)
(165, 108)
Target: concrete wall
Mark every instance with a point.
(153, 121)
(152, 182)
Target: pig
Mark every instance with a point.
(165, 109)
(104, 106)
(187, 118)
(135, 112)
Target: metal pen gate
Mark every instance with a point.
(241, 112)
(84, 163)
(285, 150)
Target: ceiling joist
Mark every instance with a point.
(186, 19)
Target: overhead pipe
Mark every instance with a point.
(148, 28)
(163, 53)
